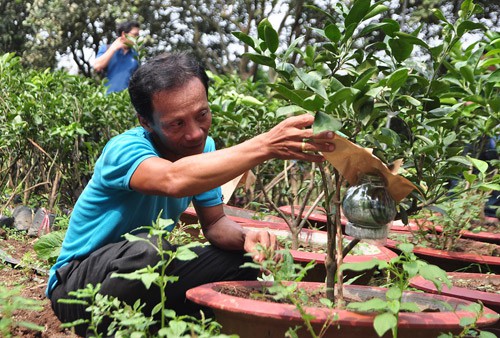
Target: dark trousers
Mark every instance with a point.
(211, 265)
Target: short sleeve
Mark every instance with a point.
(212, 197)
(121, 157)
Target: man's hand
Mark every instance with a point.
(119, 43)
(263, 238)
(293, 139)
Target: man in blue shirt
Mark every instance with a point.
(118, 60)
(156, 170)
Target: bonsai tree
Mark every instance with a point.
(376, 94)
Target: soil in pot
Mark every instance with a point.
(263, 317)
(469, 286)
(468, 255)
(313, 246)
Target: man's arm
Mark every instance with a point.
(101, 63)
(195, 174)
(226, 234)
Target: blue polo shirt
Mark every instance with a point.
(120, 68)
(108, 208)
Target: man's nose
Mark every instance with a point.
(193, 132)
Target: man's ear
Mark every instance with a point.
(145, 123)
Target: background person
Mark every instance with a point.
(118, 61)
(158, 169)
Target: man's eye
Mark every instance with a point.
(176, 124)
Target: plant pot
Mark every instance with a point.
(367, 251)
(483, 236)
(318, 218)
(489, 299)
(451, 260)
(258, 318)
(238, 215)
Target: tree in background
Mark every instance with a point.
(42, 30)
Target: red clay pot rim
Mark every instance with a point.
(384, 253)
(481, 235)
(487, 298)
(321, 218)
(206, 295)
(241, 220)
(463, 256)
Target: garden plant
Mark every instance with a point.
(370, 80)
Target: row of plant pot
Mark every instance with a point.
(252, 318)
(469, 259)
(260, 318)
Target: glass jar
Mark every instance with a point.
(368, 208)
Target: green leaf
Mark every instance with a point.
(250, 100)
(437, 12)
(489, 186)
(272, 39)
(48, 246)
(480, 165)
(467, 73)
(359, 10)
(460, 159)
(410, 307)
(435, 274)
(494, 77)
(332, 32)
(360, 266)
(450, 138)
(411, 100)
(261, 59)
(375, 10)
(391, 28)
(261, 29)
(289, 110)
(149, 278)
(411, 268)
(400, 49)
(346, 94)
(313, 103)
(364, 78)
(245, 38)
(374, 304)
(384, 322)
(397, 79)
(467, 26)
(288, 93)
(490, 62)
(324, 122)
(406, 247)
(184, 253)
(408, 38)
(313, 81)
(393, 293)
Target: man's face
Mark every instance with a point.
(130, 37)
(181, 120)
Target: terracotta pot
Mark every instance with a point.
(238, 215)
(319, 238)
(257, 318)
(482, 236)
(489, 299)
(318, 218)
(451, 260)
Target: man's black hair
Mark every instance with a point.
(126, 27)
(163, 72)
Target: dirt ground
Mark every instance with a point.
(34, 285)
(18, 246)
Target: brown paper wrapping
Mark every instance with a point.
(247, 179)
(353, 161)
